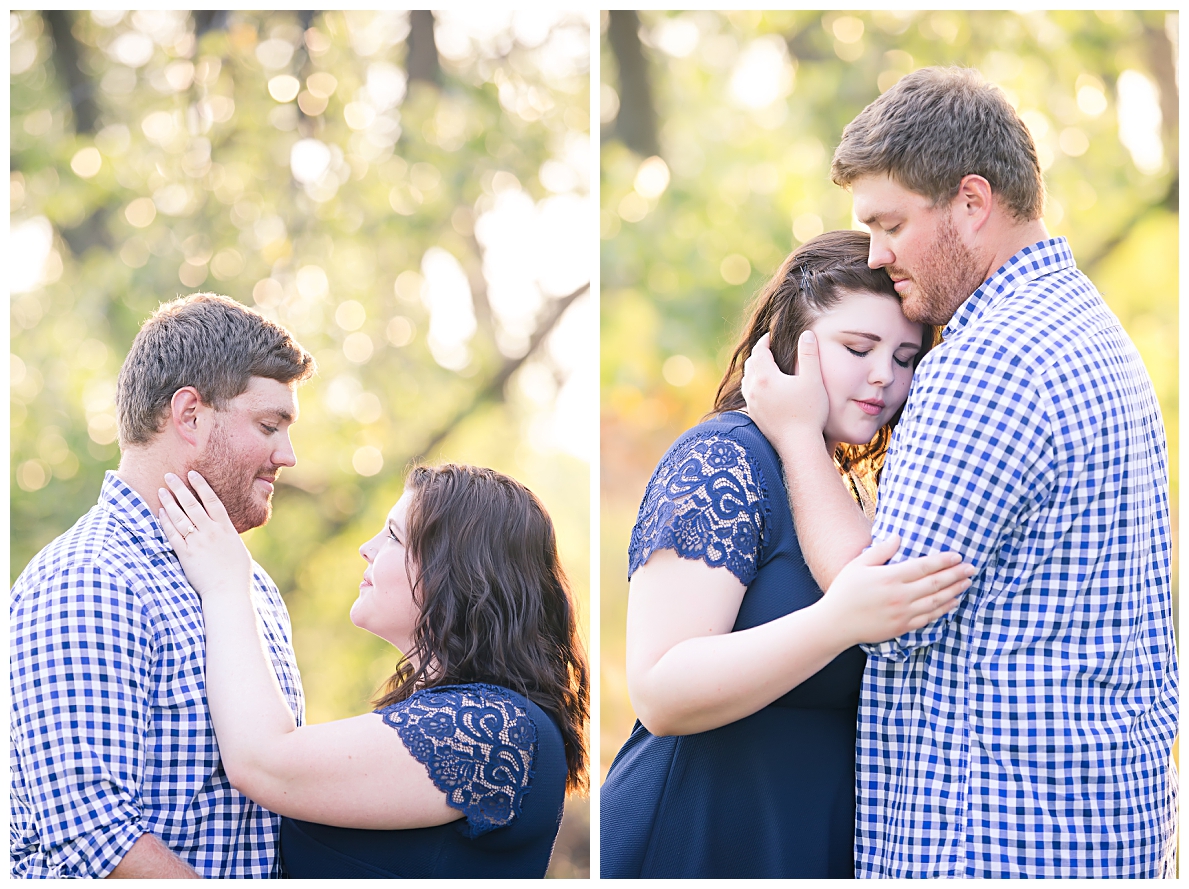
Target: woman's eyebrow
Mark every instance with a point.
(875, 338)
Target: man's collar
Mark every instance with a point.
(131, 511)
(1035, 261)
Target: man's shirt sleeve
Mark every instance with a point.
(972, 455)
(81, 658)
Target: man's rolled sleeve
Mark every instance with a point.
(81, 651)
(964, 469)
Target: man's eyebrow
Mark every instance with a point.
(278, 412)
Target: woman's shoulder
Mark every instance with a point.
(710, 498)
(728, 426)
(461, 733)
(726, 442)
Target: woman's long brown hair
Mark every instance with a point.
(810, 282)
(494, 602)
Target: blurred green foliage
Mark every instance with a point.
(749, 107)
(419, 225)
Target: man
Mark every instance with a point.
(115, 769)
(1028, 732)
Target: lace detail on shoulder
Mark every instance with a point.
(477, 745)
(706, 501)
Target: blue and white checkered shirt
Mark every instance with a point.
(1028, 733)
(111, 737)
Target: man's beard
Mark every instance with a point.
(944, 281)
(234, 482)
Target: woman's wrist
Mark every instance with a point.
(832, 623)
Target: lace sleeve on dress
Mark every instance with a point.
(706, 501)
(476, 744)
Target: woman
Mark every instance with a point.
(462, 769)
(745, 678)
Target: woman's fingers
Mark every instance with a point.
(177, 516)
(172, 534)
(956, 576)
(939, 604)
(185, 498)
(210, 500)
(922, 567)
(880, 551)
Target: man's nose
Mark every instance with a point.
(284, 455)
(880, 254)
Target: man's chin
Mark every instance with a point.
(921, 309)
(252, 517)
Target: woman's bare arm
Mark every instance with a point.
(348, 773)
(687, 672)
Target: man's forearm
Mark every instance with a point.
(151, 858)
(831, 527)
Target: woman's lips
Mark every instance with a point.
(870, 407)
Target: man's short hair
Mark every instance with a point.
(207, 341)
(937, 125)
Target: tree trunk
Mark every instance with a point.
(422, 61)
(209, 20)
(1163, 67)
(66, 56)
(636, 123)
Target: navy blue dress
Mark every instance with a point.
(772, 795)
(500, 760)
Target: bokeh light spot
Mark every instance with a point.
(652, 178)
(358, 348)
(312, 282)
(400, 331)
(350, 315)
(86, 162)
(735, 269)
(678, 370)
(284, 87)
(367, 461)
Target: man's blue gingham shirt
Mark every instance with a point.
(110, 732)
(1028, 733)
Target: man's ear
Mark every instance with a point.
(185, 412)
(973, 203)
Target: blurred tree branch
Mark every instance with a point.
(1168, 201)
(494, 390)
(490, 393)
(636, 122)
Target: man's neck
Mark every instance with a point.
(1010, 238)
(143, 470)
